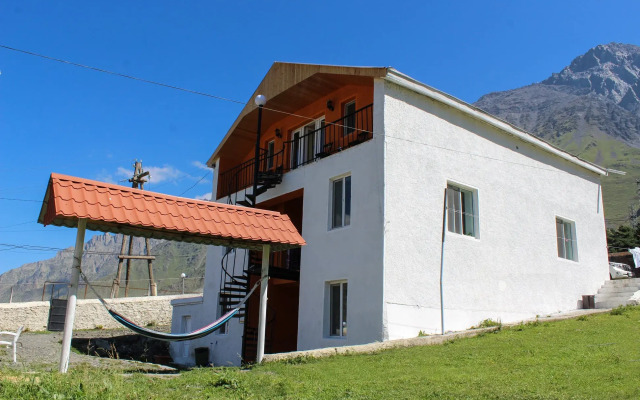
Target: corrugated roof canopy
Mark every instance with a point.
(118, 209)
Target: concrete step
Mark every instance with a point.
(633, 282)
(617, 289)
(617, 297)
(612, 304)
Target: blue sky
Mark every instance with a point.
(60, 118)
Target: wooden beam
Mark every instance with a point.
(128, 257)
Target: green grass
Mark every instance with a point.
(591, 357)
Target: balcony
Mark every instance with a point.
(332, 137)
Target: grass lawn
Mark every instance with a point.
(591, 357)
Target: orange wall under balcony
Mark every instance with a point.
(362, 94)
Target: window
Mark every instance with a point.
(349, 117)
(338, 309)
(566, 234)
(462, 211)
(270, 151)
(306, 143)
(341, 202)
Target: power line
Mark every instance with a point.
(14, 199)
(244, 103)
(122, 75)
(28, 247)
(194, 185)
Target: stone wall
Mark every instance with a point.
(90, 314)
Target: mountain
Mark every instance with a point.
(592, 109)
(100, 263)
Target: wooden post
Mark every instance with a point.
(115, 289)
(126, 284)
(153, 288)
(262, 321)
(71, 300)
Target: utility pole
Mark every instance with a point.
(137, 182)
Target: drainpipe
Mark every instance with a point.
(444, 229)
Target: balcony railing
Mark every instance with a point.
(302, 149)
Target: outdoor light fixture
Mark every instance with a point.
(261, 100)
(330, 104)
(278, 133)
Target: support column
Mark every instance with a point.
(71, 298)
(262, 321)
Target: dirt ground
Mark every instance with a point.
(40, 351)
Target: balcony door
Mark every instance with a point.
(307, 141)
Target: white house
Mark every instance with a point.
(360, 159)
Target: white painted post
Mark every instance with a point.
(262, 321)
(71, 298)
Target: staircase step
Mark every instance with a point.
(632, 282)
(232, 295)
(614, 296)
(616, 289)
(244, 203)
(613, 304)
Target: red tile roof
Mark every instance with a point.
(114, 208)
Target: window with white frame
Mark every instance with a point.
(341, 202)
(337, 313)
(270, 151)
(349, 117)
(566, 237)
(462, 210)
(307, 142)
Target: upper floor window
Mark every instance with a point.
(349, 117)
(462, 210)
(341, 202)
(306, 142)
(270, 151)
(566, 234)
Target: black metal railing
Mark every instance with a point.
(302, 149)
(286, 259)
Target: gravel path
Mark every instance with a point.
(40, 351)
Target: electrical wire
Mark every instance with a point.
(122, 75)
(14, 199)
(194, 185)
(265, 108)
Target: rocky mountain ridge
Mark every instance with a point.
(591, 108)
(596, 96)
(100, 262)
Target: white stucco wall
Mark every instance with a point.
(511, 271)
(352, 253)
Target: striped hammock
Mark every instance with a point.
(172, 337)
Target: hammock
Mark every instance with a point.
(171, 337)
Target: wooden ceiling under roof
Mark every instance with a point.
(288, 88)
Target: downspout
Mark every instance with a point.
(444, 229)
